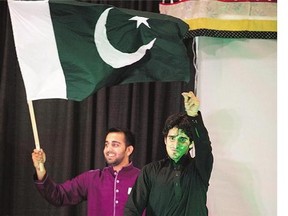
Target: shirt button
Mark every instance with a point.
(117, 181)
(116, 201)
(117, 190)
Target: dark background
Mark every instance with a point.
(72, 133)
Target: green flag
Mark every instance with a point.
(70, 49)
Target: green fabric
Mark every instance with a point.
(85, 71)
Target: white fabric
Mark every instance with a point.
(237, 89)
(36, 50)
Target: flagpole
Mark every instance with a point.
(35, 131)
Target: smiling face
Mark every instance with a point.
(177, 144)
(115, 151)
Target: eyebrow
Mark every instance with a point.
(175, 134)
(172, 135)
(113, 141)
(182, 135)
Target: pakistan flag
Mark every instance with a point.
(69, 49)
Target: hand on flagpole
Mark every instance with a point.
(39, 158)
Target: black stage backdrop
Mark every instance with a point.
(72, 133)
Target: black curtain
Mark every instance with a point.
(72, 133)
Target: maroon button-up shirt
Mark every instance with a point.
(105, 190)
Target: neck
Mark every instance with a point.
(118, 167)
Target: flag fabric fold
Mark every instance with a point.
(69, 49)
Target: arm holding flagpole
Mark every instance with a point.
(39, 163)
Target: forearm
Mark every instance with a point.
(48, 190)
(40, 173)
(200, 132)
(203, 149)
(70, 192)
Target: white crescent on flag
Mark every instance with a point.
(108, 53)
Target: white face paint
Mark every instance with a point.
(177, 144)
(108, 53)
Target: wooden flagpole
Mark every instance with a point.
(35, 131)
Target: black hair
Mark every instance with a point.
(129, 136)
(180, 121)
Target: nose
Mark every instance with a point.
(107, 147)
(174, 144)
(177, 144)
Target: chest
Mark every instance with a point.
(109, 183)
(174, 176)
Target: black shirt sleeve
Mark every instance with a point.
(138, 197)
(203, 149)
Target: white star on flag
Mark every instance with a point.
(140, 20)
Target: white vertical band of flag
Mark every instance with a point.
(43, 76)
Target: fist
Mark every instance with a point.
(191, 103)
(38, 156)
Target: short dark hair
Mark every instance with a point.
(180, 121)
(129, 136)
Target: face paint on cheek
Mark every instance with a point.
(180, 151)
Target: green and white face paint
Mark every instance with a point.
(177, 144)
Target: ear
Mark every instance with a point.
(191, 146)
(129, 150)
(192, 150)
(165, 140)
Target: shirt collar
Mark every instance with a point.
(124, 169)
(182, 162)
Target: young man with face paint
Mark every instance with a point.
(178, 184)
(106, 190)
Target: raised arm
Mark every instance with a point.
(203, 149)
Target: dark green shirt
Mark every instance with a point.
(166, 188)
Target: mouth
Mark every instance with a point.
(175, 152)
(110, 155)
